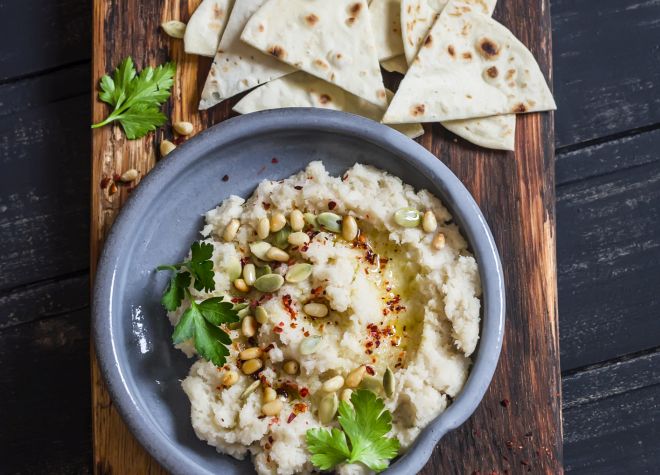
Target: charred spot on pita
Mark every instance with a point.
(261, 28)
(428, 41)
(324, 99)
(488, 48)
(381, 93)
(510, 74)
(467, 55)
(492, 72)
(277, 51)
(355, 8)
(218, 12)
(417, 109)
(451, 51)
(520, 108)
(311, 19)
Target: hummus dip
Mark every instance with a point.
(368, 283)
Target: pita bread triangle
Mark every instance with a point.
(386, 27)
(304, 90)
(469, 66)
(329, 39)
(238, 67)
(205, 27)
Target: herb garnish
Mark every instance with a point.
(365, 424)
(137, 98)
(201, 320)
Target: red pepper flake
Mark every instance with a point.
(267, 446)
(225, 178)
(298, 187)
(105, 181)
(274, 160)
(113, 189)
(370, 370)
(332, 205)
(116, 177)
(237, 299)
(268, 348)
(278, 330)
(265, 205)
(292, 416)
(504, 402)
(304, 392)
(178, 140)
(281, 324)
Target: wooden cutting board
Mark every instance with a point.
(517, 427)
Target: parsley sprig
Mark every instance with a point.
(366, 424)
(201, 320)
(137, 98)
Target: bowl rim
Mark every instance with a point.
(263, 123)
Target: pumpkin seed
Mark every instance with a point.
(277, 221)
(298, 272)
(355, 377)
(231, 229)
(333, 384)
(251, 353)
(349, 228)
(230, 378)
(249, 274)
(174, 28)
(330, 221)
(297, 220)
(310, 218)
(269, 283)
(244, 312)
(407, 217)
(240, 306)
(281, 237)
(269, 395)
(298, 238)
(276, 254)
(317, 310)
(259, 249)
(263, 228)
(310, 344)
(328, 408)
(429, 223)
(251, 366)
(272, 408)
(240, 285)
(291, 367)
(264, 270)
(250, 389)
(371, 383)
(233, 268)
(388, 382)
(261, 314)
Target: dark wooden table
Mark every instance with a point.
(607, 74)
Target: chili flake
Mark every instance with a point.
(225, 178)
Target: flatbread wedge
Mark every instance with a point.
(386, 27)
(397, 64)
(469, 66)
(497, 132)
(237, 66)
(304, 90)
(417, 17)
(205, 27)
(331, 40)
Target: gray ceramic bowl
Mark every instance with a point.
(163, 216)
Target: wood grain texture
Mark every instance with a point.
(516, 193)
(608, 67)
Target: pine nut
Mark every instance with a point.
(250, 389)
(276, 254)
(346, 395)
(166, 147)
(229, 379)
(174, 28)
(438, 241)
(272, 408)
(249, 274)
(291, 367)
(317, 310)
(183, 128)
(277, 221)
(349, 228)
(328, 408)
(249, 326)
(297, 220)
(429, 223)
(240, 285)
(269, 395)
(129, 175)
(333, 384)
(263, 228)
(251, 353)
(251, 366)
(230, 230)
(298, 238)
(354, 378)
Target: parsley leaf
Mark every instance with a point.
(366, 424)
(137, 98)
(200, 321)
